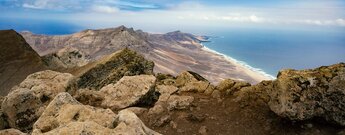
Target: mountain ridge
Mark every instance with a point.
(172, 52)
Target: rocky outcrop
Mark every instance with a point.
(165, 91)
(230, 86)
(112, 68)
(187, 77)
(65, 115)
(66, 58)
(306, 94)
(64, 109)
(130, 91)
(11, 132)
(129, 123)
(89, 97)
(26, 102)
(179, 102)
(189, 81)
(17, 60)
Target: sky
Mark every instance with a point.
(169, 15)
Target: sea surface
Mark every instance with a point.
(266, 50)
(270, 50)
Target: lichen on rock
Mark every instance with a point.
(26, 102)
(306, 94)
(130, 91)
(112, 68)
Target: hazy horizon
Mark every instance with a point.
(162, 15)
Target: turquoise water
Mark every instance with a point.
(273, 50)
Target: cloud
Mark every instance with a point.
(130, 5)
(335, 22)
(340, 22)
(188, 13)
(38, 4)
(105, 9)
(240, 18)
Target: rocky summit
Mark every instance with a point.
(121, 94)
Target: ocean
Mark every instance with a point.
(270, 50)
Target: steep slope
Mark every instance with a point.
(17, 60)
(112, 68)
(172, 52)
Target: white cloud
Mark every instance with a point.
(105, 9)
(123, 3)
(336, 22)
(37, 4)
(242, 18)
(191, 13)
(340, 22)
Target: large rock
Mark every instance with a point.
(130, 91)
(187, 77)
(230, 86)
(112, 68)
(64, 109)
(305, 94)
(80, 128)
(11, 132)
(165, 92)
(198, 86)
(189, 81)
(89, 97)
(65, 115)
(129, 123)
(26, 103)
(179, 102)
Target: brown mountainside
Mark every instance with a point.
(17, 60)
(172, 52)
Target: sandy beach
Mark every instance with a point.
(193, 56)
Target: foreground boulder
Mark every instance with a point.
(130, 91)
(64, 109)
(179, 102)
(306, 94)
(112, 68)
(65, 115)
(11, 132)
(26, 102)
(189, 81)
(130, 124)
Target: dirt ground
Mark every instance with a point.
(225, 116)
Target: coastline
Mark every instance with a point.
(256, 73)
